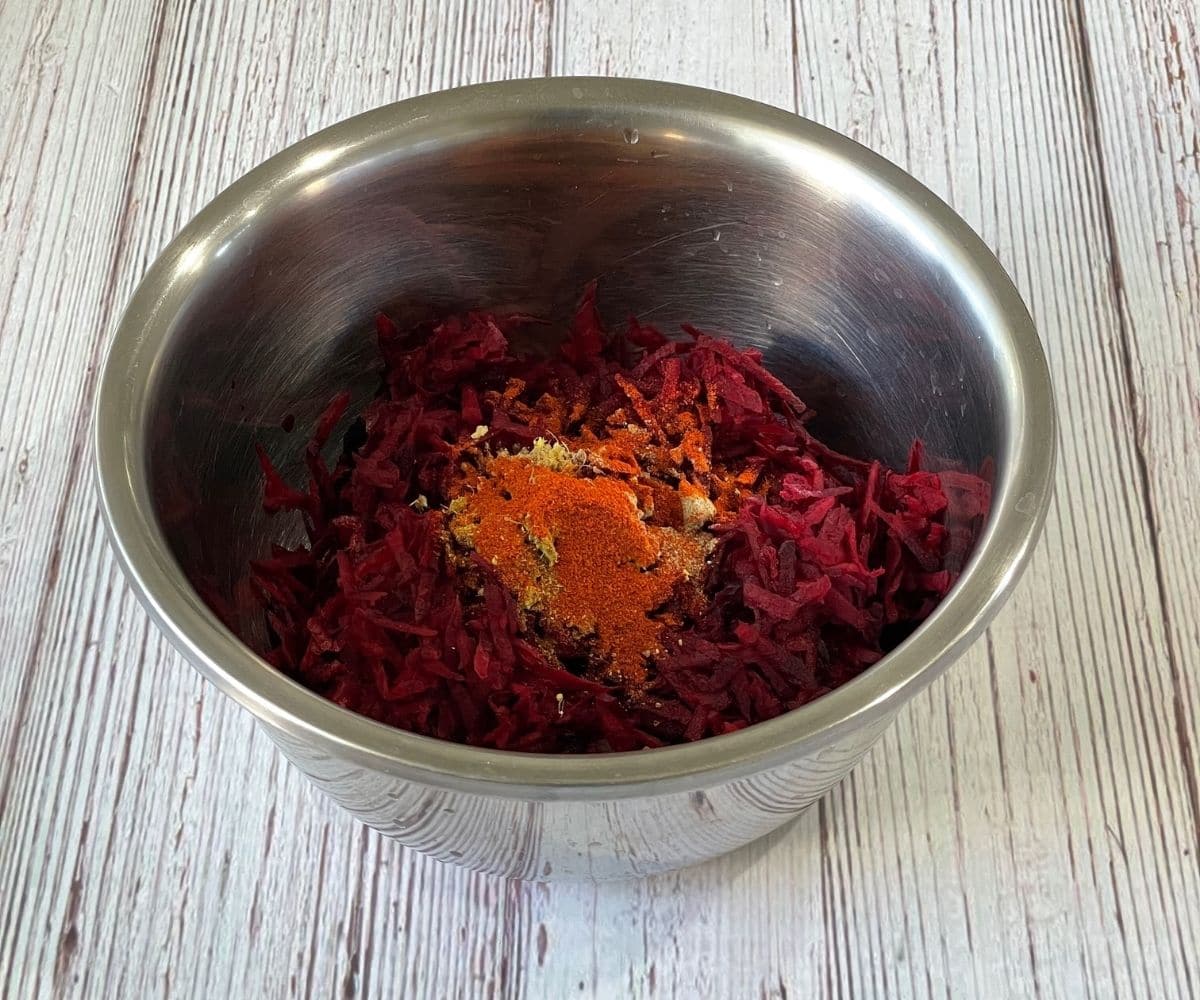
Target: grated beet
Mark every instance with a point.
(821, 562)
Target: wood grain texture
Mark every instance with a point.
(1030, 827)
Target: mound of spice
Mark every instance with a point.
(579, 553)
(632, 543)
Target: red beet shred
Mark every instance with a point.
(812, 578)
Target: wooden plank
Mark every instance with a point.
(76, 83)
(1030, 821)
(59, 70)
(1143, 63)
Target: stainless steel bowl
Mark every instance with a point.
(872, 297)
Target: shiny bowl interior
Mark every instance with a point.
(863, 291)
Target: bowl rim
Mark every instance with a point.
(293, 713)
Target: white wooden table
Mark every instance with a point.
(1031, 827)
